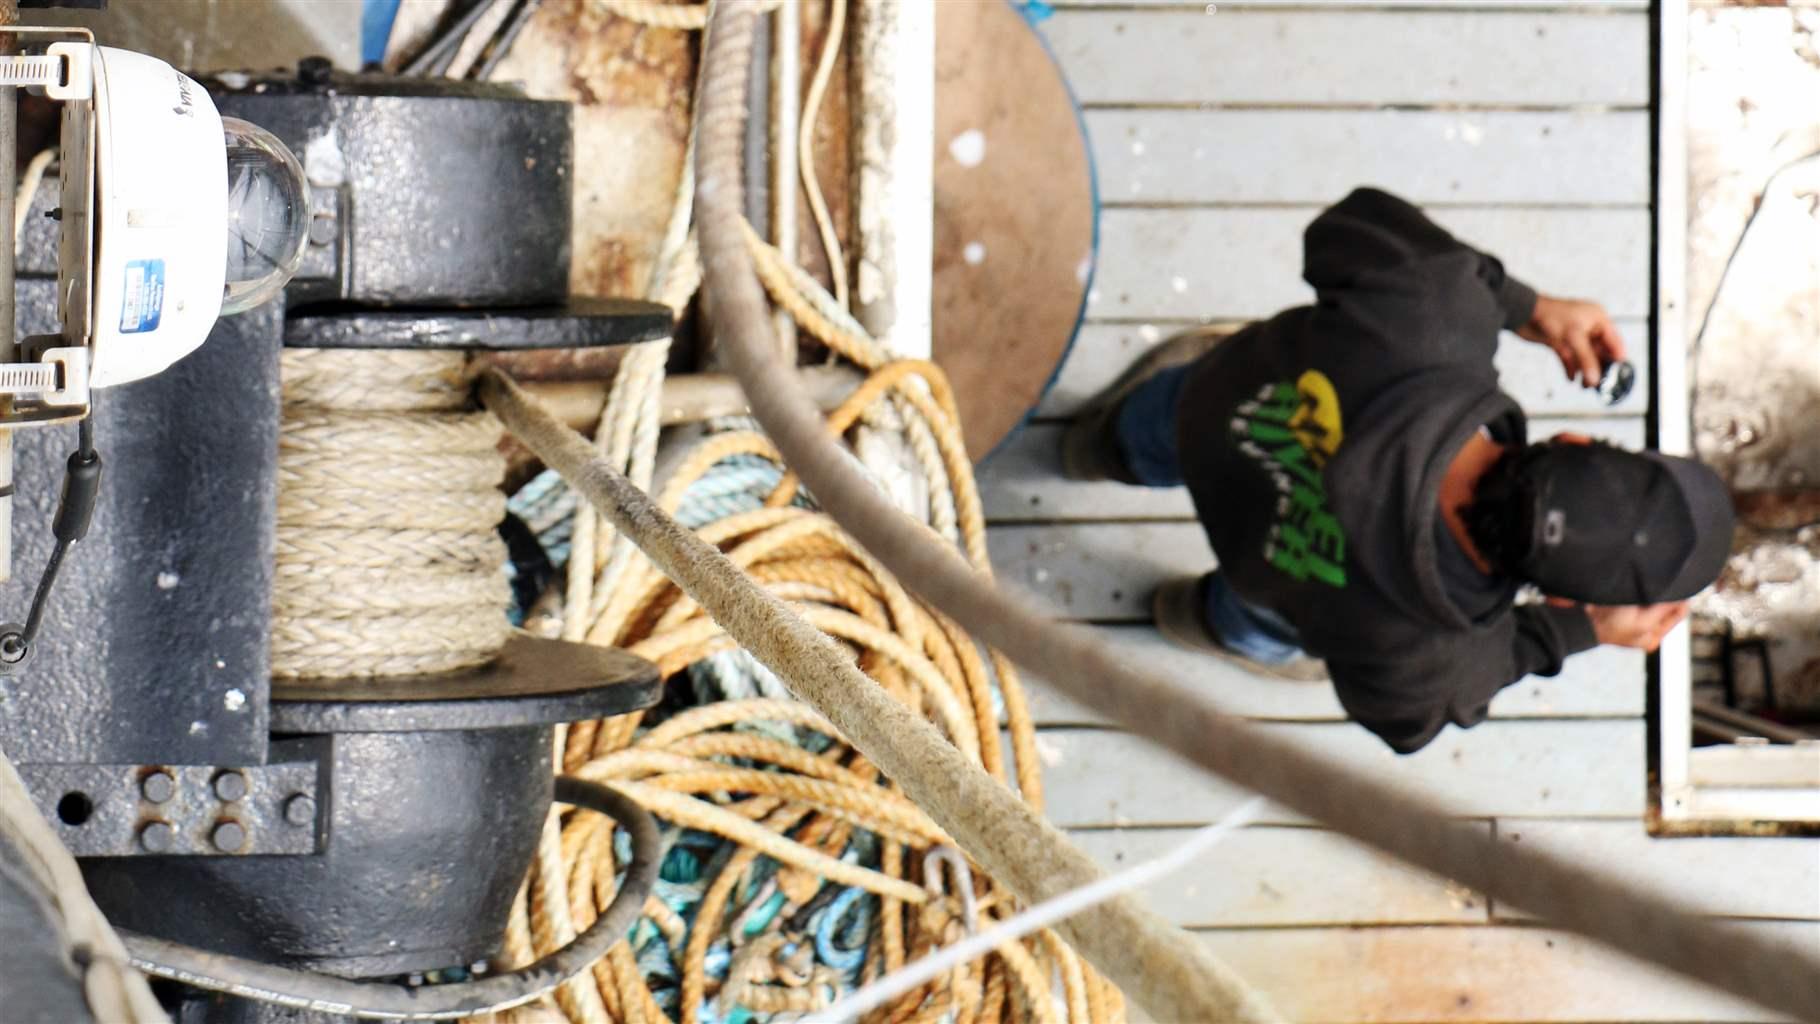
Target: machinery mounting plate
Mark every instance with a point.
(123, 810)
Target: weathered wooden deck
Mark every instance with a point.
(1526, 129)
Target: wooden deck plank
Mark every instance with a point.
(1607, 682)
(1603, 681)
(1569, 768)
(1776, 877)
(1530, 373)
(1313, 156)
(1544, 58)
(1243, 263)
(1286, 876)
(1459, 974)
(1096, 571)
(1022, 481)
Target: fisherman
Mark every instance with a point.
(1373, 497)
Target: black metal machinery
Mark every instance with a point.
(362, 829)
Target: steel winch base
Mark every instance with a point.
(448, 228)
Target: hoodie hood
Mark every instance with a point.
(1386, 480)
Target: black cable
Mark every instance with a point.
(532, 569)
(800, 920)
(39, 599)
(75, 511)
(322, 993)
(436, 57)
(501, 43)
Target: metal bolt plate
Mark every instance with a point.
(124, 818)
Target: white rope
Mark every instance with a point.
(892, 986)
(113, 990)
(388, 559)
(630, 423)
(812, 105)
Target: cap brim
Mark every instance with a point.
(1709, 503)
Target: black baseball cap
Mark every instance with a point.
(1615, 527)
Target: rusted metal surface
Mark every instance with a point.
(1753, 268)
(632, 89)
(1770, 590)
(630, 86)
(1754, 283)
(1778, 510)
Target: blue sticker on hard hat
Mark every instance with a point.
(142, 300)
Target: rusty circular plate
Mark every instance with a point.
(1014, 216)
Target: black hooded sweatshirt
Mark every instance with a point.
(1314, 444)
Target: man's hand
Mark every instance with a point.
(1579, 332)
(1639, 626)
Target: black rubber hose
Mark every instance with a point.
(441, 50)
(501, 44)
(75, 511)
(323, 993)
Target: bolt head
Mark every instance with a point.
(157, 837)
(158, 787)
(12, 646)
(300, 810)
(230, 786)
(314, 70)
(228, 837)
(322, 229)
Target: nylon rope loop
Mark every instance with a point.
(389, 561)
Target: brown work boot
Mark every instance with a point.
(1181, 618)
(1089, 450)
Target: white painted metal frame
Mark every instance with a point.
(895, 178)
(1735, 784)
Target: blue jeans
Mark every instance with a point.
(1144, 432)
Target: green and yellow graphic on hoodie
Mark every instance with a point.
(1292, 429)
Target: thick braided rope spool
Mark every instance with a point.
(389, 561)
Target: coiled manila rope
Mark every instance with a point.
(388, 560)
(964, 799)
(685, 752)
(796, 553)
